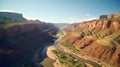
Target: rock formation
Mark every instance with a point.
(19, 42)
(98, 39)
(12, 16)
(110, 16)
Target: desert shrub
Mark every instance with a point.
(68, 60)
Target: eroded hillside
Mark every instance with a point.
(98, 39)
(19, 39)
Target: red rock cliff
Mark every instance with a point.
(99, 39)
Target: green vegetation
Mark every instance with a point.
(95, 33)
(7, 22)
(111, 40)
(61, 32)
(108, 37)
(68, 60)
(70, 46)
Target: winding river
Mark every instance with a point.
(40, 54)
(44, 50)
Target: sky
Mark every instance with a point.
(61, 11)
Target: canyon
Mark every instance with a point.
(23, 41)
(97, 39)
(20, 38)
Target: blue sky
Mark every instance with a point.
(61, 11)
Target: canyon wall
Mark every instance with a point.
(18, 42)
(98, 39)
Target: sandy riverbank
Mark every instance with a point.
(51, 55)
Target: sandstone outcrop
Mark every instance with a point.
(110, 16)
(99, 39)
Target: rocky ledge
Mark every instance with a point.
(98, 39)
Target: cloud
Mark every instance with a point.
(88, 19)
(31, 18)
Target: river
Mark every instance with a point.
(40, 53)
(44, 50)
